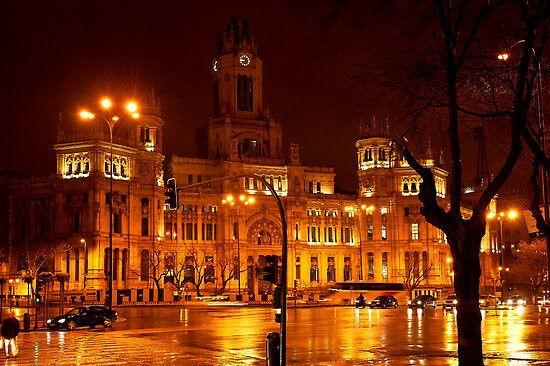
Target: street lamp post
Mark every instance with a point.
(111, 121)
(236, 229)
(501, 217)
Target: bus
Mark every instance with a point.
(345, 293)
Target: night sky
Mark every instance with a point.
(59, 56)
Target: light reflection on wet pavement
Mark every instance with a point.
(316, 336)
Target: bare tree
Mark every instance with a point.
(414, 276)
(453, 74)
(154, 270)
(200, 264)
(227, 263)
(531, 265)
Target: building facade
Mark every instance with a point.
(226, 221)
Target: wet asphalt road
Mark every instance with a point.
(316, 336)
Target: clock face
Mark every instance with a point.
(215, 65)
(244, 60)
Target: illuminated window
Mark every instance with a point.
(370, 233)
(347, 269)
(250, 147)
(314, 270)
(385, 265)
(384, 232)
(330, 234)
(347, 235)
(314, 234)
(370, 257)
(331, 270)
(414, 231)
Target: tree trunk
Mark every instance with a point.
(467, 273)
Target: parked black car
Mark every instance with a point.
(384, 302)
(84, 316)
(422, 301)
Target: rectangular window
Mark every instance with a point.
(209, 232)
(385, 265)
(167, 230)
(370, 233)
(203, 231)
(296, 236)
(77, 265)
(77, 222)
(144, 226)
(245, 93)
(310, 190)
(371, 265)
(189, 231)
(414, 231)
(318, 187)
(85, 197)
(117, 223)
(384, 232)
(190, 179)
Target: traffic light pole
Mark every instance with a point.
(284, 249)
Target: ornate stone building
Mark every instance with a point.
(211, 239)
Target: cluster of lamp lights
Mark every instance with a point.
(230, 200)
(106, 104)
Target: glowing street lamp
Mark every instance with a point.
(111, 119)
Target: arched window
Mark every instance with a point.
(144, 268)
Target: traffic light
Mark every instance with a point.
(38, 298)
(295, 283)
(171, 194)
(270, 268)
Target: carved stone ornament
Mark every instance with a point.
(264, 232)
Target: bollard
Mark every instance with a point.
(273, 350)
(27, 321)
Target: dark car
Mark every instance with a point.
(384, 302)
(422, 301)
(84, 316)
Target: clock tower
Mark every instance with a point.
(240, 126)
